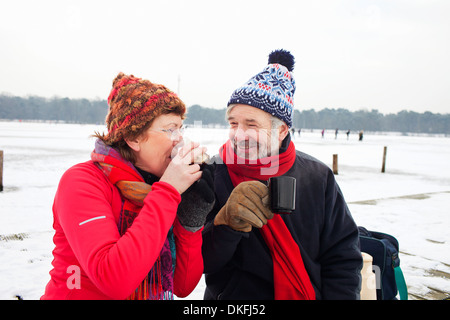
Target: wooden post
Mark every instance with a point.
(1, 170)
(335, 163)
(383, 166)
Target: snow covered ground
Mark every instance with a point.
(410, 200)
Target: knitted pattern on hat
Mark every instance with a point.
(134, 102)
(272, 90)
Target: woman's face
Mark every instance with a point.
(153, 148)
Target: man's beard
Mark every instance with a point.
(262, 151)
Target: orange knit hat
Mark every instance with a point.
(134, 103)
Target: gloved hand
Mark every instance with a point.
(198, 200)
(247, 206)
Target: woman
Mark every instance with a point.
(120, 229)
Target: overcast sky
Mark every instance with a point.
(389, 55)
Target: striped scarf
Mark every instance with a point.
(158, 284)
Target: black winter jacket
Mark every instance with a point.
(238, 265)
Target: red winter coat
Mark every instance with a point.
(92, 261)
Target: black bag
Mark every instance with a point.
(386, 263)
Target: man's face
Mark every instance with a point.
(250, 132)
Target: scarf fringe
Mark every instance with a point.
(151, 288)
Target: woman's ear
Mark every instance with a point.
(134, 144)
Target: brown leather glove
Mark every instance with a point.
(247, 206)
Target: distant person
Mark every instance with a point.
(293, 132)
(323, 133)
(251, 253)
(128, 222)
(361, 134)
(299, 132)
(348, 133)
(336, 133)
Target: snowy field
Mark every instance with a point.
(410, 200)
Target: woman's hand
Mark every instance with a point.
(198, 200)
(181, 173)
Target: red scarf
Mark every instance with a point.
(291, 281)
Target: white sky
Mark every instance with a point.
(389, 55)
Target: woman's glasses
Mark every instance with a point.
(172, 133)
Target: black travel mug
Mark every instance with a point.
(282, 194)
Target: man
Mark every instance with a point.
(250, 252)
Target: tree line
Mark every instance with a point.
(54, 109)
(343, 119)
(94, 111)
(403, 121)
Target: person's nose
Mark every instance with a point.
(176, 139)
(240, 134)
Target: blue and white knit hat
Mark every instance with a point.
(271, 90)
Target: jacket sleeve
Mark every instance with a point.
(219, 243)
(115, 264)
(340, 256)
(189, 262)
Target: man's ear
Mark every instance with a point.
(134, 144)
(283, 131)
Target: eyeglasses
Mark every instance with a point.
(172, 133)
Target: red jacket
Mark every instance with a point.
(92, 261)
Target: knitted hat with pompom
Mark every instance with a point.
(134, 103)
(272, 90)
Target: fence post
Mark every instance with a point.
(335, 163)
(1, 170)
(383, 166)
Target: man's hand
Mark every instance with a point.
(247, 206)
